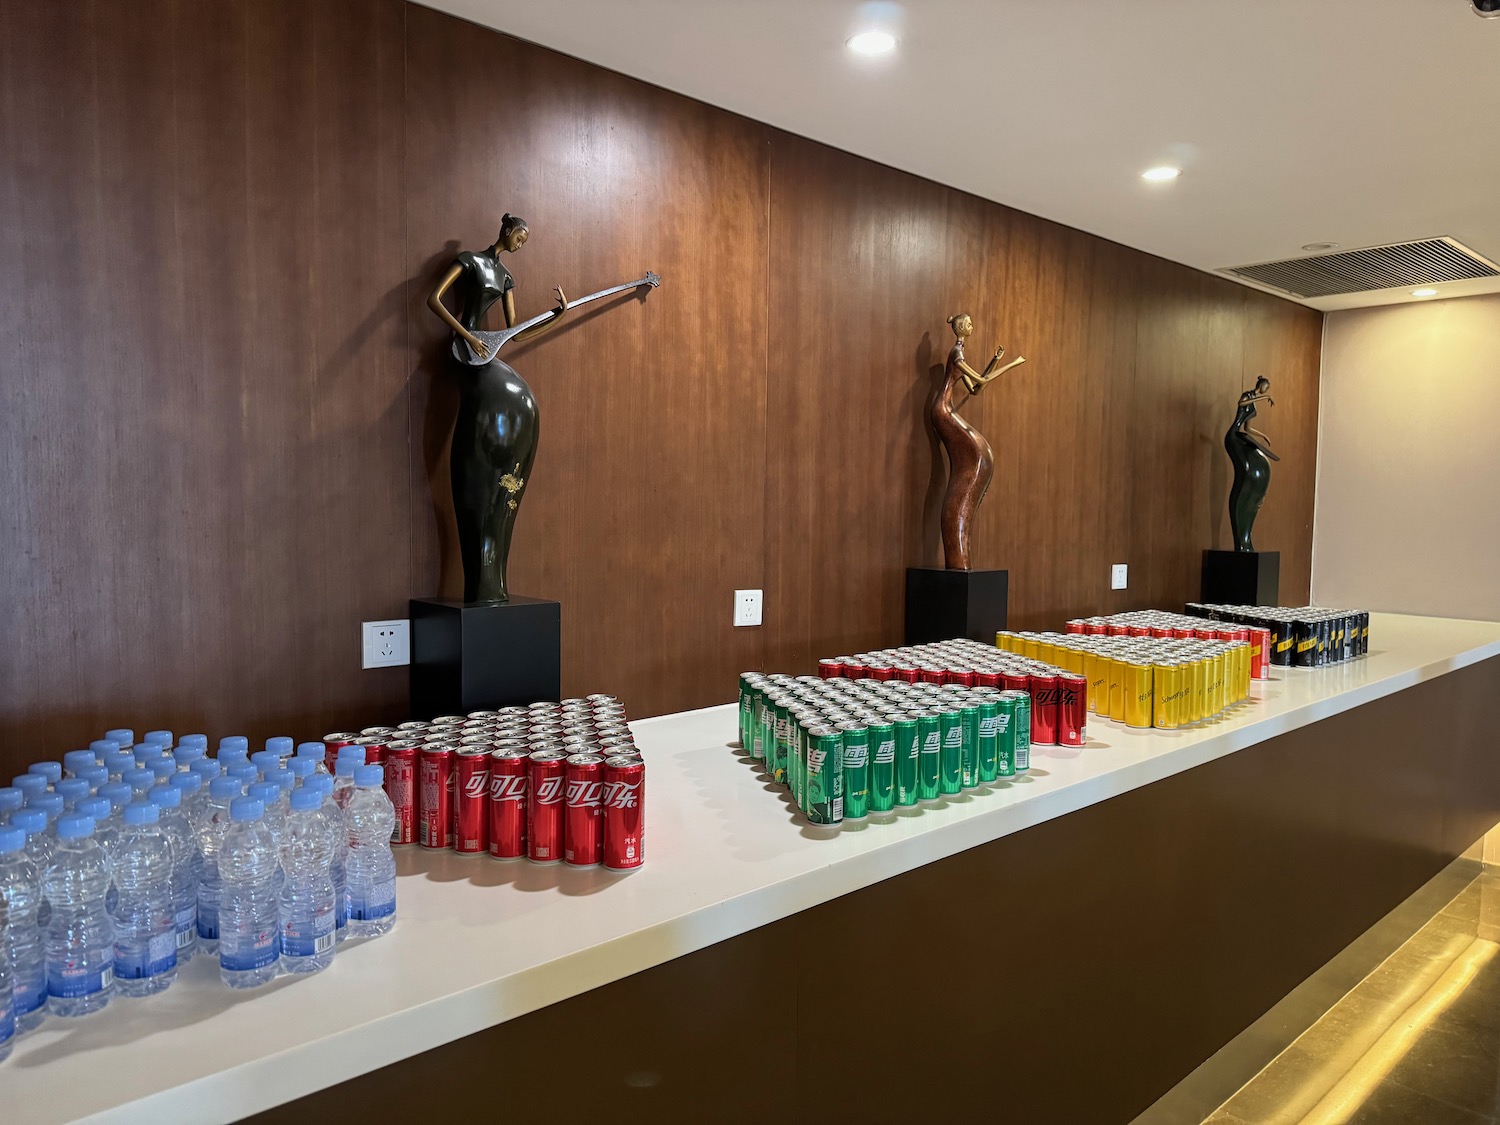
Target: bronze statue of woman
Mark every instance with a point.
(1250, 451)
(971, 462)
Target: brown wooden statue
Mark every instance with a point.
(971, 462)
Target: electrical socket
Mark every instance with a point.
(1117, 576)
(387, 644)
(746, 607)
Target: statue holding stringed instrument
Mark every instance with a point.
(495, 435)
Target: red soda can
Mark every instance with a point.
(1205, 634)
(1224, 636)
(1044, 692)
(624, 813)
(546, 772)
(1072, 709)
(1161, 632)
(1260, 653)
(381, 733)
(401, 788)
(471, 800)
(333, 743)
(1180, 634)
(828, 669)
(1137, 631)
(435, 796)
(407, 728)
(1074, 626)
(964, 677)
(1112, 629)
(854, 669)
(881, 671)
(906, 673)
(508, 803)
(931, 674)
(374, 750)
(987, 679)
(1015, 681)
(583, 832)
(1095, 628)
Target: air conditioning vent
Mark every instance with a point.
(1400, 265)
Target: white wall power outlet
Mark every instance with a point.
(746, 607)
(1117, 576)
(387, 644)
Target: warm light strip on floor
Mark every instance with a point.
(1350, 1092)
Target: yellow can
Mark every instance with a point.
(1167, 680)
(1139, 690)
(1028, 648)
(1096, 668)
(1003, 639)
(1073, 660)
(1198, 699)
(1116, 689)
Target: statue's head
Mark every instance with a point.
(1262, 385)
(513, 233)
(962, 325)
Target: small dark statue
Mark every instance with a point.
(495, 434)
(1250, 451)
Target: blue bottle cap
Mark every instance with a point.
(96, 775)
(97, 807)
(11, 799)
(245, 773)
(345, 767)
(234, 742)
(165, 796)
(30, 783)
(75, 826)
(52, 771)
(185, 756)
(311, 750)
(194, 742)
(246, 808)
(265, 792)
(13, 839)
(206, 768)
(280, 745)
(369, 777)
(265, 761)
(322, 783)
(139, 812)
(144, 752)
(75, 760)
(31, 821)
(351, 753)
(283, 779)
(49, 803)
(138, 779)
(306, 798)
(118, 793)
(186, 783)
(123, 736)
(232, 756)
(120, 761)
(163, 768)
(300, 767)
(72, 789)
(159, 737)
(225, 788)
(103, 746)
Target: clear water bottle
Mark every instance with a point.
(145, 753)
(280, 745)
(371, 875)
(264, 762)
(197, 742)
(333, 816)
(72, 790)
(186, 864)
(285, 778)
(163, 770)
(308, 917)
(103, 748)
(143, 915)
(75, 760)
(7, 993)
(31, 785)
(39, 845)
(140, 779)
(11, 799)
(96, 776)
(51, 771)
(233, 749)
(52, 805)
(245, 774)
(160, 738)
(118, 762)
(317, 754)
(184, 757)
(21, 889)
(299, 769)
(190, 785)
(123, 737)
(350, 759)
(268, 793)
(249, 909)
(206, 769)
(80, 947)
(210, 830)
(106, 824)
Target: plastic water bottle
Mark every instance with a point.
(106, 824)
(145, 753)
(249, 911)
(7, 993)
(308, 915)
(161, 738)
(343, 774)
(52, 771)
(123, 737)
(245, 774)
(317, 754)
(118, 762)
(207, 769)
(73, 789)
(211, 829)
(31, 785)
(38, 843)
(80, 940)
(371, 873)
(143, 915)
(103, 748)
(21, 890)
(186, 864)
(190, 785)
(194, 742)
(268, 793)
(233, 746)
(285, 778)
(280, 745)
(140, 779)
(300, 769)
(333, 816)
(11, 799)
(185, 756)
(264, 762)
(96, 776)
(52, 805)
(75, 760)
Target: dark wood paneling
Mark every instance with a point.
(1071, 972)
(224, 411)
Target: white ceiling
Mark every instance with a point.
(1295, 121)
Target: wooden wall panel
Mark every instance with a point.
(224, 409)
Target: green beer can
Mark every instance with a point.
(989, 740)
(929, 758)
(882, 765)
(908, 747)
(951, 764)
(856, 740)
(969, 720)
(824, 803)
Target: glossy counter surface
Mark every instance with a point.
(480, 942)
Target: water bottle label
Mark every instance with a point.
(315, 936)
(185, 937)
(157, 956)
(255, 951)
(7, 1020)
(186, 921)
(377, 901)
(69, 981)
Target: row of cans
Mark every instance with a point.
(848, 748)
(1301, 636)
(1145, 681)
(552, 782)
(961, 662)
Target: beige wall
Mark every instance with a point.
(1408, 493)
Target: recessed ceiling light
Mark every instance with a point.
(1161, 173)
(1424, 292)
(1319, 247)
(872, 43)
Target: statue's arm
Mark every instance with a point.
(991, 373)
(1260, 441)
(435, 303)
(546, 325)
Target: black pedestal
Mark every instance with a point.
(1241, 577)
(943, 604)
(469, 656)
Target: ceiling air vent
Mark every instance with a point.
(1398, 266)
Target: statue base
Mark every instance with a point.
(942, 604)
(1241, 577)
(481, 656)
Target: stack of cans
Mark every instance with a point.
(551, 782)
(1301, 636)
(848, 748)
(1144, 675)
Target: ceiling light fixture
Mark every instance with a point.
(1161, 174)
(872, 43)
(1319, 247)
(1424, 292)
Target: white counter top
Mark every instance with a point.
(480, 942)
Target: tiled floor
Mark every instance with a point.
(1417, 1042)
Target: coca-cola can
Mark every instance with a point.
(1260, 653)
(381, 733)
(1015, 681)
(1072, 709)
(508, 803)
(435, 796)
(414, 725)
(1044, 692)
(401, 788)
(471, 800)
(583, 834)
(624, 799)
(546, 772)
(333, 743)
(374, 750)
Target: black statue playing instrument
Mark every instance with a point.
(495, 433)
